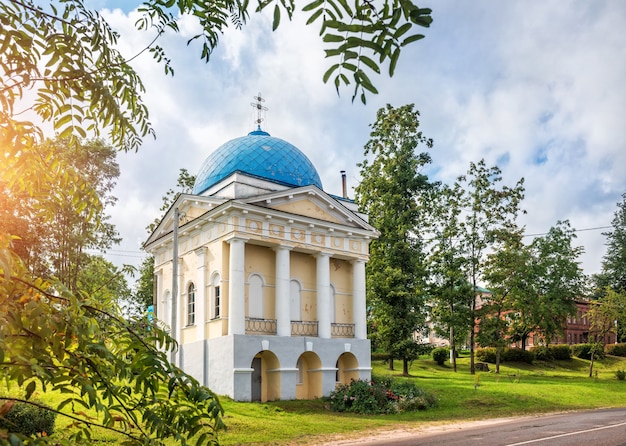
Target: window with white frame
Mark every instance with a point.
(191, 304)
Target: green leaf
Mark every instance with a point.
(276, 17)
(313, 5)
(402, 30)
(393, 62)
(370, 63)
(333, 38)
(330, 71)
(314, 16)
(30, 389)
(411, 39)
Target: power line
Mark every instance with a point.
(573, 230)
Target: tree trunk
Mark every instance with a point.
(498, 350)
(473, 335)
(391, 363)
(591, 364)
(452, 349)
(405, 367)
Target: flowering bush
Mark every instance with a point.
(379, 396)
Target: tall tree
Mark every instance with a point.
(74, 228)
(547, 281)
(604, 313)
(488, 208)
(449, 289)
(503, 276)
(614, 260)
(558, 279)
(389, 193)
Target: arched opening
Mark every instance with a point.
(265, 378)
(347, 368)
(308, 376)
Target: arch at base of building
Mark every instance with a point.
(270, 382)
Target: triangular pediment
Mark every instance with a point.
(311, 202)
(189, 208)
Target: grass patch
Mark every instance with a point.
(519, 389)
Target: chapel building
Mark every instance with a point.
(262, 282)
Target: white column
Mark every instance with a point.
(323, 295)
(201, 294)
(358, 299)
(283, 319)
(236, 298)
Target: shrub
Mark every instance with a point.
(583, 351)
(616, 349)
(620, 374)
(542, 353)
(441, 355)
(486, 355)
(379, 396)
(29, 420)
(517, 355)
(561, 352)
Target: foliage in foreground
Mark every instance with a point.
(380, 396)
(114, 374)
(28, 419)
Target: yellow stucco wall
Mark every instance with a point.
(341, 278)
(261, 260)
(303, 269)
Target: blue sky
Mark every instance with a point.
(535, 87)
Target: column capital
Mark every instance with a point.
(323, 254)
(282, 247)
(236, 238)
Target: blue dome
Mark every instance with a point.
(261, 155)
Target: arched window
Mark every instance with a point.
(295, 291)
(255, 296)
(216, 295)
(191, 304)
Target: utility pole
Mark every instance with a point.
(174, 285)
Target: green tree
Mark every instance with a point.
(603, 314)
(389, 191)
(558, 278)
(547, 281)
(614, 260)
(503, 276)
(450, 292)
(102, 281)
(487, 209)
(72, 227)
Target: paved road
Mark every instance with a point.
(592, 428)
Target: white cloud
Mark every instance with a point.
(534, 87)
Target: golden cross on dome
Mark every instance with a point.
(260, 108)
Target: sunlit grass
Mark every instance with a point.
(519, 389)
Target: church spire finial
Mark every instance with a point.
(260, 109)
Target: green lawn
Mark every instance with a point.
(519, 389)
